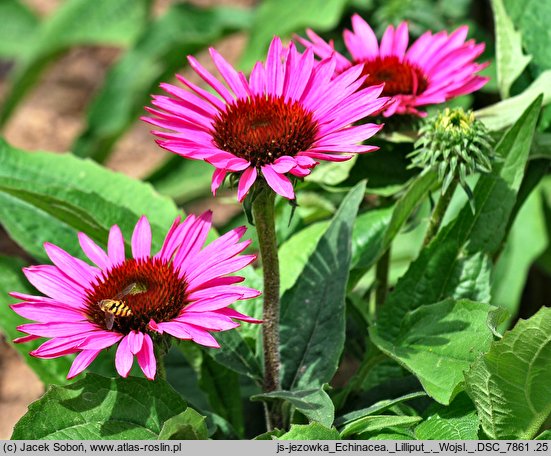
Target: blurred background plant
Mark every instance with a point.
(75, 76)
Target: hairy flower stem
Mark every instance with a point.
(160, 353)
(264, 218)
(439, 212)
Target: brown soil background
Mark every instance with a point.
(49, 118)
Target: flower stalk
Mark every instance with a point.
(264, 217)
(439, 212)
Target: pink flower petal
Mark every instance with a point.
(135, 341)
(214, 303)
(232, 313)
(92, 251)
(82, 361)
(124, 357)
(245, 183)
(115, 246)
(74, 268)
(146, 358)
(217, 178)
(141, 239)
(279, 183)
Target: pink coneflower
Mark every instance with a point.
(182, 291)
(290, 113)
(433, 70)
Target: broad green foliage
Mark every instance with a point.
(50, 197)
(511, 61)
(312, 311)
(314, 431)
(188, 425)
(459, 421)
(314, 403)
(509, 384)
(532, 18)
(101, 408)
(19, 26)
(456, 264)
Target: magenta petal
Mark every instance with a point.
(215, 292)
(208, 320)
(43, 312)
(141, 239)
(81, 362)
(247, 180)
(284, 164)
(93, 251)
(124, 357)
(135, 341)
(146, 358)
(279, 183)
(201, 336)
(232, 313)
(115, 246)
(74, 268)
(213, 303)
(99, 340)
(217, 178)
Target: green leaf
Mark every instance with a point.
(437, 342)
(19, 26)
(458, 421)
(506, 112)
(75, 22)
(314, 403)
(377, 408)
(188, 425)
(12, 279)
(532, 18)
(510, 59)
(222, 388)
(545, 435)
(296, 251)
(457, 264)
(312, 431)
(331, 173)
(375, 230)
(377, 422)
(182, 180)
(283, 17)
(312, 318)
(510, 384)
(236, 354)
(97, 408)
(158, 53)
(50, 197)
(527, 240)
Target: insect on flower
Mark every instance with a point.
(183, 291)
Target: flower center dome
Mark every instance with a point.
(132, 293)
(263, 128)
(400, 78)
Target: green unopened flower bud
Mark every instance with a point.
(456, 145)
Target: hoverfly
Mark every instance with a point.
(116, 306)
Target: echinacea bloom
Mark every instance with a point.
(183, 291)
(288, 114)
(435, 68)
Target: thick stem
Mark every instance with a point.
(160, 353)
(264, 217)
(439, 212)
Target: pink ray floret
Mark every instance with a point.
(435, 68)
(184, 290)
(274, 125)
